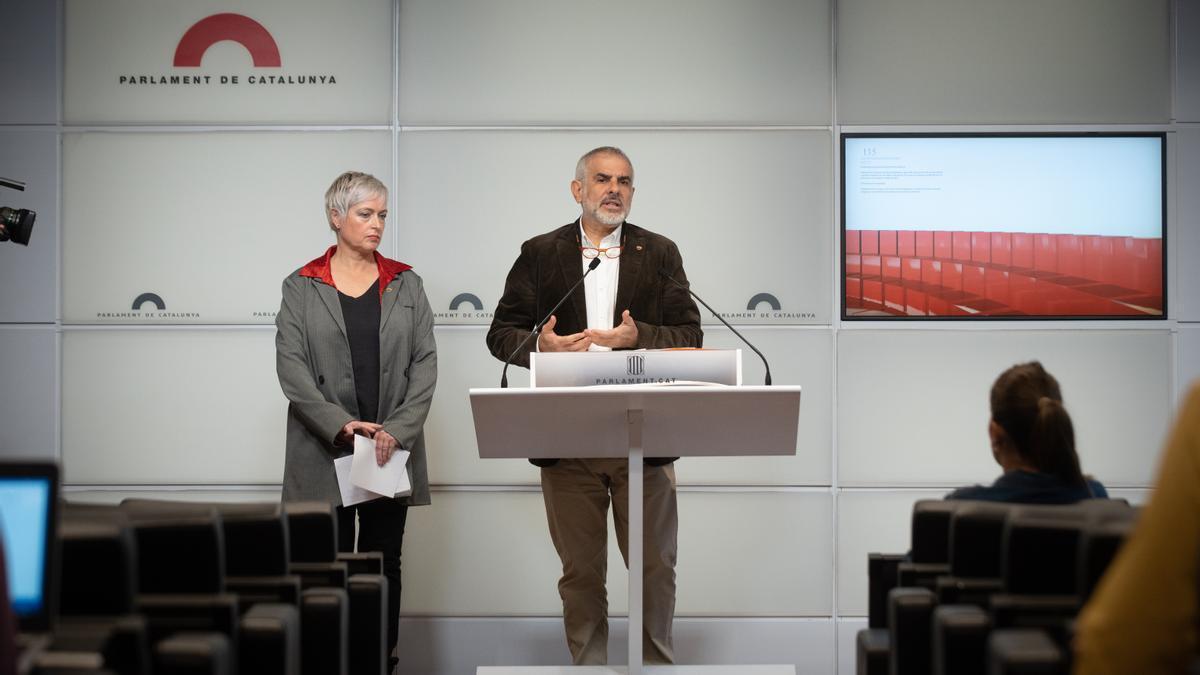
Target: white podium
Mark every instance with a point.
(636, 421)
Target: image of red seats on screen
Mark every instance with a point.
(995, 274)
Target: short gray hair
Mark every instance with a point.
(581, 165)
(349, 189)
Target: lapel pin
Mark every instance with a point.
(638, 247)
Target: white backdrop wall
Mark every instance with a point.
(201, 196)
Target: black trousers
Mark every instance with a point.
(380, 528)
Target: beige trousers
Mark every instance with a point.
(577, 494)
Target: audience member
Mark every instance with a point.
(1033, 441)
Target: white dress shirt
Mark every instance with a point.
(600, 287)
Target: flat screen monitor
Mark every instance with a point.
(1003, 226)
(28, 523)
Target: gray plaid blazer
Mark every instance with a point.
(312, 358)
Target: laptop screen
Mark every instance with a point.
(28, 494)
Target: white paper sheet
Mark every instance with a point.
(388, 480)
(351, 494)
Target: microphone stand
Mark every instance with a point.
(538, 327)
(766, 380)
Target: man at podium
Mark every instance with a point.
(624, 302)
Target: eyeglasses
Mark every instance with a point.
(610, 252)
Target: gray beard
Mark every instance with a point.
(611, 221)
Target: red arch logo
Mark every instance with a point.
(241, 29)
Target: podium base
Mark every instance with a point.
(646, 669)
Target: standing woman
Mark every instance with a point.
(355, 355)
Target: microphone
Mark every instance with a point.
(666, 275)
(538, 327)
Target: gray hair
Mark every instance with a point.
(581, 166)
(349, 189)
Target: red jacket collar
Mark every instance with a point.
(319, 269)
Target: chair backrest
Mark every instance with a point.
(99, 567)
(179, 553)
(1099, 547)
(257, 542)
(976, 539)
(255, 533)
(931, 530)
(1041, 546)
(312, 530)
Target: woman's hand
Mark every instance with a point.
(385, 446)
(368, 429)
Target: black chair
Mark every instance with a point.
(1101, 543)
(326, 613)
(873, 646)
(270, 637)
(1045, 563)
(976, 542)
(930, 548)
(993, 567)
(910, 616)
(315, 558)
(195, 654)
(960, 635)
(256, 547)
(882, 577)
(181, 574)
(98, 578)
(1024, 652)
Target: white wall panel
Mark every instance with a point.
(980, 62)
(847, 647)
(1136, 497)
(457, 646)
(913, 405)
(706, 62)
(29, 73)
(464, 362)
(489, 554)
(1188, 372)
(334, 62)
(171, 407)
(1185, 306)
(29, 274)
(754, 554)
(28, 396)
(798, 356)
(870, 521)
(1187, 61)
(481, 553)
(91, 495)
(750, 211)
(209, 222)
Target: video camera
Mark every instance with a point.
(15, 224)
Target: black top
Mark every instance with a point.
(362, 331)
(1025, 487)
